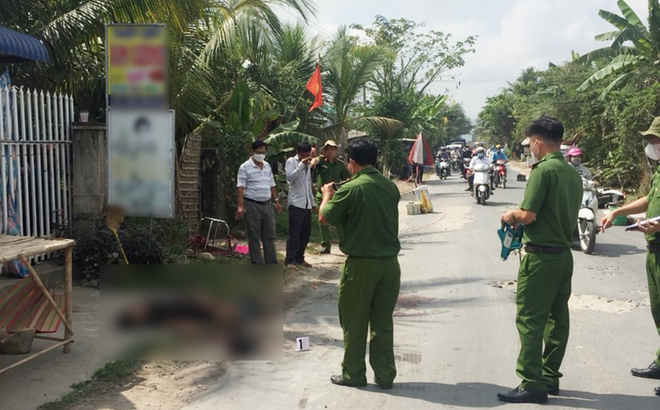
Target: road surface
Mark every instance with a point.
(455, 338)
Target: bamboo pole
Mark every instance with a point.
(68, 296)
(40, 285)
(53, 339)
(34, 356)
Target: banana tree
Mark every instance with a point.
(624, 60)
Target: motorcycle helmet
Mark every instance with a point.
(574, 152)
(481, 149)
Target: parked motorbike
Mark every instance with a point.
(587, 230)
(610, 197)
(481, 185)
(500, 173)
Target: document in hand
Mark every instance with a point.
(635, 226)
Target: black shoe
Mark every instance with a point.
(657, 391)
(325, 250)
(520, 395)
(651, 372)
(468, 189)
(553, 390)
(339, 381)
(384, 386)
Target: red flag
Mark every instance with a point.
(314, 87)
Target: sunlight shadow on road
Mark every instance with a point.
(484, 395)
(610, 250)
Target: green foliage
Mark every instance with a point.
(97, 247)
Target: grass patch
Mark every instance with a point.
(111, 372)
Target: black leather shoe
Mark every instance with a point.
(651, 372)
(520, 395)
(657, 391)
(338, 380)
(553, 390)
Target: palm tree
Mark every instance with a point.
(201, 33)
(349, 68)
(625, 60)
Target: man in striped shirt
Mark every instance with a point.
(256, 190)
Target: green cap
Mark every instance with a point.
(654, 129)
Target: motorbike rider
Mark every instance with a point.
(466, 153)
(445, 155)
(479, 159)
(499, 154)
(575, 158)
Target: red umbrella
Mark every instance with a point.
(420, 152)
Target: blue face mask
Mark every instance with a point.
(480, 155)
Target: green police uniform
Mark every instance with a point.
(367, 208)
(553, 193)
(327, 172)
(653, 258)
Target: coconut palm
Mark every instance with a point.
(349, 67)
(201, 33)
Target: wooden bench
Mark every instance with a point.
(22, 248)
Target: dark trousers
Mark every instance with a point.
(544, 287)
(368, 290)
(419, 173)
(653, 274)
(260, 227)
(300, 226)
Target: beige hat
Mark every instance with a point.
(654, 129)
(330, 143)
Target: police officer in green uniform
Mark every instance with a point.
(651, 205)
(367, 208)
(549, 212)
(328, 169)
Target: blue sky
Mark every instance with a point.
(513, 34)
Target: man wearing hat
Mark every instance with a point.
(328, 169)
(651, 205)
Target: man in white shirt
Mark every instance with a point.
(479, 159)
(301, 204)
(256, 189)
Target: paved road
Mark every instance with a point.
(455, 337)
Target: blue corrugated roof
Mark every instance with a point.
(15, 44)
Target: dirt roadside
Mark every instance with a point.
(170, 385)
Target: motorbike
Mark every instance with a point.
(500, 173)
(442, 168)
(587, 230)
(481, 185)
(454, 164)
(465, 166)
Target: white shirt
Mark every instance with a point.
(257, 182)
(299, 179)
(479, 161)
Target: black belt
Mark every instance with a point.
(257, 202)
(544, 249)
(653, 247)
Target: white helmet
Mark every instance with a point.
(481, 149)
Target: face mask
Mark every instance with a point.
(652, 152)
(480, 155)
(576, 161)
(259, 157)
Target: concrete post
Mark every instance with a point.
(90, 174)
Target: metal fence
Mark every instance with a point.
(35, 162)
